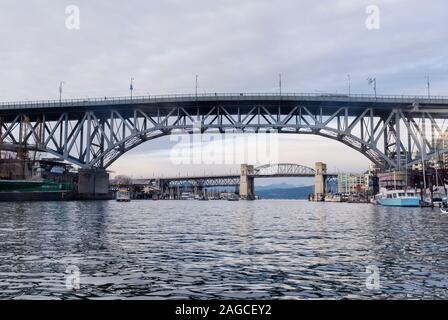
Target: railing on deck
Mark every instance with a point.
(223, 96)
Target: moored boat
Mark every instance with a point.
(33, 186)
(398, 198)
(123, 195)
(186, 196)
(333, 197)
(444, 206)
(232, 197)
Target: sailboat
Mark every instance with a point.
(438, 193)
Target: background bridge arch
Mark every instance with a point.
(284, 170)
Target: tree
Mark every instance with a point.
(123, 180)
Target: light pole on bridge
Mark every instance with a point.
(131, 86)
(280, 83)
(428, 86)
(372, 81)
(61, 84)
(196, 86)
(349, 84)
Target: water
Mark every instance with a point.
(220, 249)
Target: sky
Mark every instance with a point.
(233, 46)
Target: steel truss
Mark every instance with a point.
(392, 133)
(223, 181)
(265, 171)
(284, 170)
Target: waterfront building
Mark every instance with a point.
(352, 183)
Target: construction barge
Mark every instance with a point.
(24, 178)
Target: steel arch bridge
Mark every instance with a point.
(264, 171)
(391, 131)
(283, 170)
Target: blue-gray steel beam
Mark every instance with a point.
(96, 132)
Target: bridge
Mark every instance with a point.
(244, 181)
(391, 131)
(265, 171)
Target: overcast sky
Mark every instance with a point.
(233, 46)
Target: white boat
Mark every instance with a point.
(186, 196)
(438, 195)
(232, 197)
(336, 197)
(123, 195)
(398, 198)
(444, 206)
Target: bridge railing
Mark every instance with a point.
(221, 96)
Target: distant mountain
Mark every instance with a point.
(282, 185)
(283, 192)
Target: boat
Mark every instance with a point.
(398, 198)
(123, 195)
(33, 186)
(333, 197)
(186, 196)
(437, 196)
(232, 197)
(444, 206)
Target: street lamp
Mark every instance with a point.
(280, 82)
(349, 84)
(428, 86)
(131, 86)
(196, 85)
(60, 91)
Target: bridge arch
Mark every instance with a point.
(112, 153)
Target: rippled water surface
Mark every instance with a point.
(221, 249)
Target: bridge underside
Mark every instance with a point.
(392, 133)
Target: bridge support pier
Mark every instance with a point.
(198, 191)
(319, 181)
(93, 183)
(247, 182)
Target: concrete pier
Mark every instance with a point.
(319, 181)
(93, 183)
(247, 182)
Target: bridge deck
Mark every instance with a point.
(433, 103)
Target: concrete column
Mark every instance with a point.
(247, 182)
(93, 182)
(198, 191)
(319, 180)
